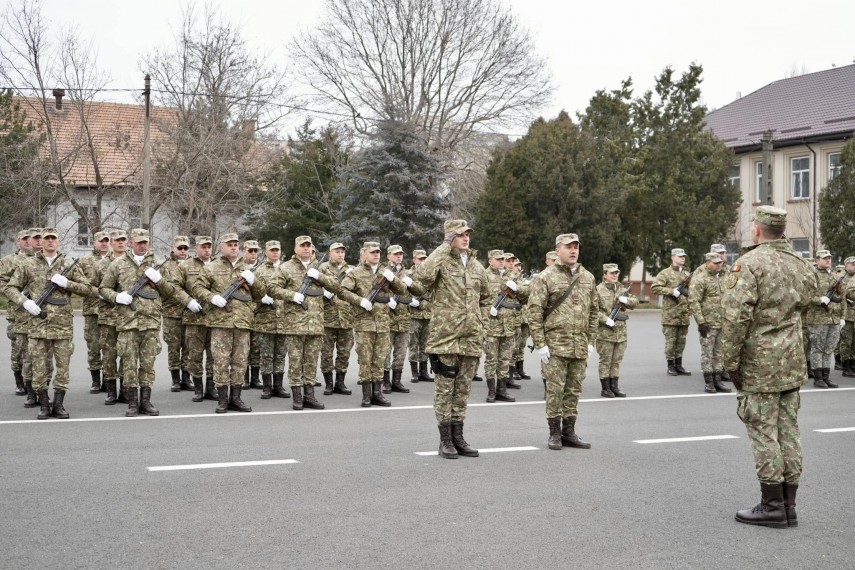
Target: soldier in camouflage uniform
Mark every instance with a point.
(672, 284)
(822, 318)
(419, 328)
(7, 268)
(763, 297)
(399, 326)
(563, 315)
(108, 335)
(847, 333)
(705, 303)
(51, 336)
(371, 320)
(230, 320)
(523, 331)
(251, 378)
(338, 326)
(611, 334)
(22, 323)
(268, 328)
(91, 332)
(173, 313)
(499, 327)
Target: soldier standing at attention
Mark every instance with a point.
(823, 321)
(91, 334)
(611, 334)
(551, 256)
(22, 323)
(109, 337)
(268, 329)
(173, 325)
(847, 333)
(50, 338)
(8, 265)
(251, 379)
(705, 303)
(675, 310)
(563, 315)
(399, 327)
(419, 328)
(230, 320)
(764, 295)
(499, 328)
(338, 326)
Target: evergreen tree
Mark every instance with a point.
(20, 172)
(837, 207)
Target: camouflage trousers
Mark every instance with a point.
(806, 343)
(564, 378)
(523, 334)
(273, 351)
(451, 395)
(823, 339)
(44, 353)
(611, 355)
(21, 347)
(197, 339)
(173, 336)
(230, 348)
(419, 329)
(772, 423)
(340, 341)
(254, 349)
(303, 352)
(139, 349)
(847, 341)
(92, 336)
(398, 342)
(109, 354)
(16, 354)
(371, 350)
(498, 351)
(711, 352)
(675, 340)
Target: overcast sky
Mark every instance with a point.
(742, 45)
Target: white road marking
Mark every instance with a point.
(488, 450)
(834, 430)
(218, 465)
(681, 439)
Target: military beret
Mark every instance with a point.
(272, 244)
(35, 232)
(850, 259)
(457, 226)
(823, 253)
(551, 255)
(496, 254)
(679, 252)
(300, 240)
(118, 234)
(181, 240)
(611, 268)
(48, 232)
(714, 257)
(202, 240)
(337, 245)
(419, 253)
(718, 248)
(23, 234)
(101, 236)
(250, 244)
(370, 246)
(394, 249)
(566, 239)
(771, 216)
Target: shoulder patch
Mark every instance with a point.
(735, 268)
(731, 280)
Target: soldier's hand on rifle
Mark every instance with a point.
(32, 308)
(153, 275)
(328, 294)
(623, 299)
(544, 354)
(366, 304)
(610, 323)
(676, 293)
(407, 280)
(415, 303)
(60, 281)
(312, 273)
(825, 301)
(388, 275)
(218, 301)
(248, 276)
(194, 305)
(124, 298)
(704, 330)
(511, 285)
(494, 312)
(393, 304)
(267, 300)
(299, 298)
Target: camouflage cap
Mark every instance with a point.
(850, 259)
(272, 244)
(509, 255)
(457, 226)
(718, 248)
(496, 254)
(821, 254)
(101, 236)
(300, 240)
(678, 251)
(48, 232)
(202, 240)
(181, 240)
(337, 245)
(771, 216)
(552, 255)
(23, 234)
(139, 234)
(394, 249)
(419, 253)
(714, 257)
(226, 238)
(118, 234)
(35, 232)
(370, 246)
(250, 244)
(611, 268)
(567, 239)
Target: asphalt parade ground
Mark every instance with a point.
(349, 487)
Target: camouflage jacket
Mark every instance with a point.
(848, 288)
(400, 318)
(607, 294)
(338, 314)
(8, 265)
(144, 313)
(184, 277)
(816, 314)
(572, 326)
(106, 309)
(357, 285)
(214, 279)
(269, 319)
(519, 316)
(174, 305)
(89, 265)
(764, 295)
(675, 311)
(705, 297)
(505, 323)
(285, 282)
(35, 275)
(458, 293)
(422, 312)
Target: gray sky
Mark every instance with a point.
(742, 45)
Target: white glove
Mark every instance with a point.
(511, 285)
(544, 354)
(328, 294)
(415, 302)
(248, 276)
(590, 349)
(623, 299)
(60, 281)
(194, 305)
(388, 275)
(218, 301)
(32, 308)
(393, 304)
(676, 293)
(825, 300)
(313, 273)
(299, 298)
(407, 280)
(366, 304)
(494, 312)
(153, 275)
(124, 298)
(268, 300)
(610, 323)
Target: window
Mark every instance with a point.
(733, 176)
(732, 253)
(833, 165)
(802, 247)
(759, 187)
(800, 187)
(84, 238)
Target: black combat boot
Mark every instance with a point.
(44, 402)
(719, 387)
(32, 399)
(770, 511)
(121, 395)
(709, 386)
(176, 381)
(377, 397)
(367, 389)
(848, 370)
(491, 390)
(297, 402)
(555, 441)
(512, 372)
(387, 386)
(340, 387)
(111, 397)
(671, 370)
(817, 378)
(825, 378)
(789, 490)
(837, 364)
(460, 444)
(198, 392)
(414, 369)
(678, 366)
(613, 383)
(278, 390)
(267, 386)
(255, 379)
(222, 399)
(521, 371)
(569, 437)
(145, 403)
(309, 400)
(245, 385)
(58, 411)
(446, 443)
(606, 388)
(809, 369)
(477, 378)
(396, 382)
(96, 381)
(132, 396)
(210, 391)
(424, 372)
(328, 382)
(20, 389)
(502, 391)
(235, 403)
(509, 381)
(187, 382)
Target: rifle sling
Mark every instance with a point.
(550, 309)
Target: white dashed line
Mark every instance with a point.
(218, 465)
(488, 450)
(682, 439)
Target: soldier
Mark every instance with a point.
(499, 327)
(516, 319)
(611, 334)
(230, 320)
(719, 250)
(847, 333)
(22, 323)
(551, 257)
(50, 337)
(112, 369)
(371, 319)
(563, 315)
(673, 284)
(762, 347)
(7, 268)
(173, 313)
(399, 327)
(419, 328)
(304, 319)
(100, 250)
(705, 304)
(251, 379)
(823, 319)
(524, 330)
(269, 327)
(338, 326)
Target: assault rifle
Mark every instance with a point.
(307, 282)
(833, 291)
(50, 288)
(237, 284)
(503, 296)
(405, 299)
(616, 306)
(379, 287)
(136, 289)
(683, 287)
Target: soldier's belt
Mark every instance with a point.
(149, 294)
(56, 300)
(239, 295)
(314, 291)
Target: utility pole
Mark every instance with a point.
(146, 200)
(768, 147)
